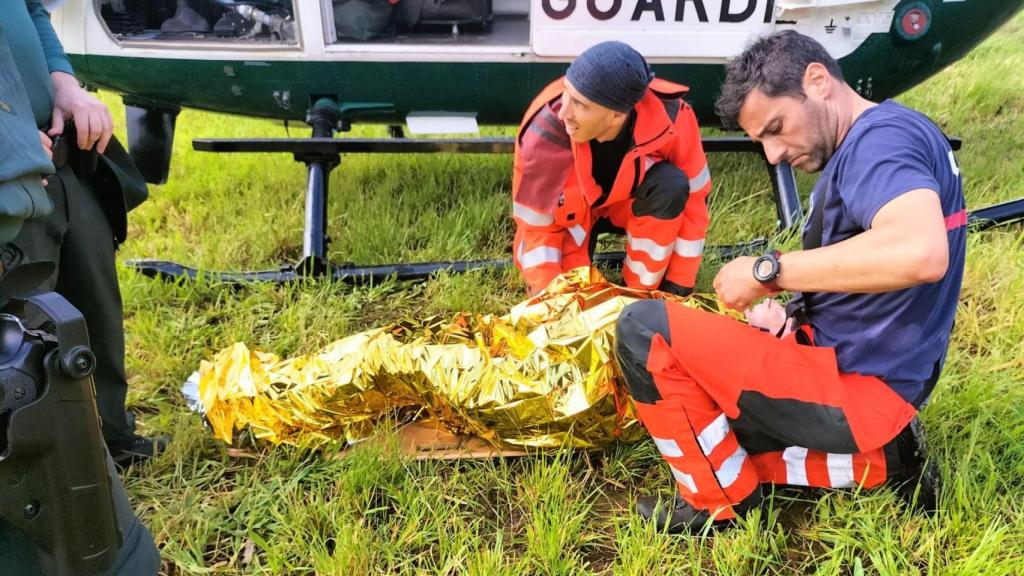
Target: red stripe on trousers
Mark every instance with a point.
(816, 466)
(663, 232)
(869, 470)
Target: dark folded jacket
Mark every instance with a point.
(117, 181)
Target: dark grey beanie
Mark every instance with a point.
(612, 74)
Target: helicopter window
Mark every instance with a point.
(251, 21)
(475, 23)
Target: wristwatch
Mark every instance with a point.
(767, 268)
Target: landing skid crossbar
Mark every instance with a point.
(376, 274)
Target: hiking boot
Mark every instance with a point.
(138, 450)
(682, 517)
(914, 476)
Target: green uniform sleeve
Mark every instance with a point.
(22, 159)
(56, 59)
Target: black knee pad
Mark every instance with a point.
(634, 330)
(663, 193)
(673, 288)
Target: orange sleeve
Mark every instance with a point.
(688, 153)
(543, 163)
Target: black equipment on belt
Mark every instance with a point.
(65, 151)
(799, 307)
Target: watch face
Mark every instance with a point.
(766, 268)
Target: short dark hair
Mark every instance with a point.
(775, 65)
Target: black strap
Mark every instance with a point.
(799, 307)
(817, 222)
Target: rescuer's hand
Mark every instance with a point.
(92, 119)
(769, 316)
(736, 286)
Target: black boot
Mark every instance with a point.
(140, 449)
(914, 476)
(682, 517)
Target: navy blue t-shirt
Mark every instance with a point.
(901, 336)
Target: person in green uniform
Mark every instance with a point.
(25, 167)
(88, 219)
(25, 160)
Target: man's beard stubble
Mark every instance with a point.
(824, 143)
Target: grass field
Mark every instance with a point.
(562, 513)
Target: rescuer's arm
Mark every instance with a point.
(888, 188)
(907, 245)
(538, 247)
(93, 121)
(688, 153)
(543, 164)
(25, 160)
(56, 59)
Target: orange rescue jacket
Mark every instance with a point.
(553, 190)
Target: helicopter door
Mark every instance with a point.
(702, 30)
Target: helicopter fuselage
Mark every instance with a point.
(490, 67)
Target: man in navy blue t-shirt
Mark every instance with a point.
(825, 397)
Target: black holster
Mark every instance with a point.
(54, 483)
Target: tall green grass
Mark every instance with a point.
(372, 512)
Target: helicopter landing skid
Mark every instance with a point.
(322, 153)
(352, 274)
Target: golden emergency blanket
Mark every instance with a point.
(543, 375)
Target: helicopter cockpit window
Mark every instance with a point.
(443, 22)
(250, 21)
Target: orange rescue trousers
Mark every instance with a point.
(730, 406)
(664, 227)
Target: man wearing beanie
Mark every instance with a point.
(610, 148)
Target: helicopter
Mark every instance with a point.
(448, 66)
